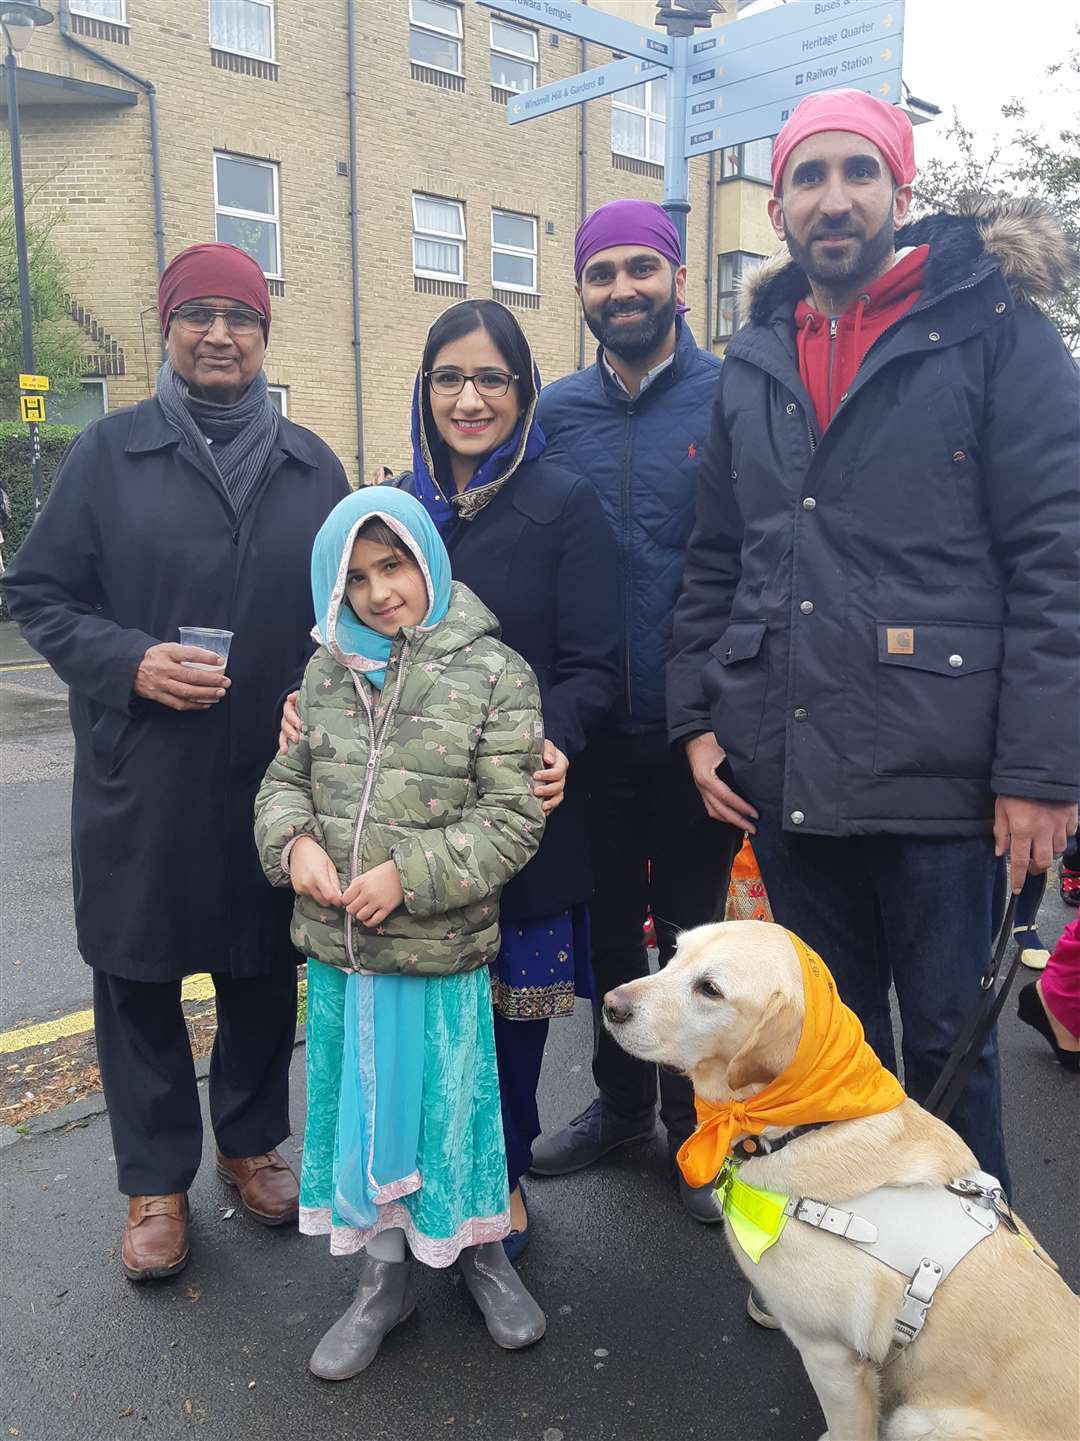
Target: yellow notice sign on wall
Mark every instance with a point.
(33, 382)
(33, 409)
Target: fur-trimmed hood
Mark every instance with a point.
(1021, 238)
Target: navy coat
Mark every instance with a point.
(641, 456)
(541, 557)
(137, 539)
(882, 622)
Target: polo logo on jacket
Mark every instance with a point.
(691, 451)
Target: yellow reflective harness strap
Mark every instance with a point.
(756, 1216)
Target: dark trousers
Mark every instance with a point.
(916, 912)
(148, 1074)
(519, 1049)
(655, 849)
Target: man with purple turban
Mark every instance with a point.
(634, 423)
(879, 629)
(196, 507)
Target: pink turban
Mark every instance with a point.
(213, 268)
(886, 126)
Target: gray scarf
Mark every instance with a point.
(243, 433)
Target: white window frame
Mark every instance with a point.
(282, 391)
(742, 259)
(442, 235)
(446, 35)
(513, 54)
(270, 59)
(652, 117)
(220, 209)
(499, 249)
(739, 173)
(77, 9)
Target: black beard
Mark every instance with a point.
(634, 340)
(863, 264)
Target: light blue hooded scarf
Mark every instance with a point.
(347, 639)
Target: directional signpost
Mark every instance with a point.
(739, 82)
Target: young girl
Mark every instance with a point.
(397, 818)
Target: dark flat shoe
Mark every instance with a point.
(1030, 1009)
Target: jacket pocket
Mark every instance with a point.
(735, 681)
(112, 738)
(937, 698)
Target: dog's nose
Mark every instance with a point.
(616, 1009)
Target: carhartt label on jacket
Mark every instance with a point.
(899, 640)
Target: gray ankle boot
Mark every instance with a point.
(384, 1298)
(513, 1317)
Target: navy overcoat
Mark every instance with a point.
(136, 540)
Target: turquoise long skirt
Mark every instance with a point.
(404, 1126)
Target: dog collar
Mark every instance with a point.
(750, 1147)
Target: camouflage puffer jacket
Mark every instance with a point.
(435, 772)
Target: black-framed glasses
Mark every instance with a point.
(490, 383)
(197, 319)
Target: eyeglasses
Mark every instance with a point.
(197, 319)
(489, 383)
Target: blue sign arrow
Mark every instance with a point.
(571, 18)
(830, 73)
(719, 69)
(586, 85)
(765, 120)
(785, 22)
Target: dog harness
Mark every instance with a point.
(922, 1232)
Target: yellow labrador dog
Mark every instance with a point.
(998, 1358)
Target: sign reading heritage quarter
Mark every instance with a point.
(580, 21)
(33, 382)
(33, 409)
(605, 80)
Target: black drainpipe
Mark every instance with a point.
(354, 240)
(583, 186)
(151, 97)
(710, 259)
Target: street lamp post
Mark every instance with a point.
(18, 18)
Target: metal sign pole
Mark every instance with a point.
(676, 165)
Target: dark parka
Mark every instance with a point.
(541, 556)
(882, 622)
(641, 456)
(137, 539)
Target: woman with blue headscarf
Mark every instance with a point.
(397, 817)
(529, 537)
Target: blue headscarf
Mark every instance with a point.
(347, 639)
(436, 493)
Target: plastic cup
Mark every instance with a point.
(207, 639)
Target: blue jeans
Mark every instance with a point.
(916, 912)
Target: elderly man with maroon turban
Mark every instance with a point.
(196, 507)
(879, 631)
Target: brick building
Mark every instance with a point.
(253, 126)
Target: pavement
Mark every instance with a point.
(647, 1333)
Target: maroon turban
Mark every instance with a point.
(886, 126)
(213, 268)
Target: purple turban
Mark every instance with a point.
(626, 222)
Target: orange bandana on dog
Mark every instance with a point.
(834, 1076)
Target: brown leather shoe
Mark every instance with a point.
(156, 1237)
(269, 1192)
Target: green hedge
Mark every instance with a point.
(15, 473)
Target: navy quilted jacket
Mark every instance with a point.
(641, 455)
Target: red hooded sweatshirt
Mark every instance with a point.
(831, 348)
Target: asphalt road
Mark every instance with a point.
(647, 1335)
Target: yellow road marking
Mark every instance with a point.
(194, 988)
(26, 665)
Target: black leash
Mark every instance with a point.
(965, 1053)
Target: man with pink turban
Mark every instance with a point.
(196, 507)
(879, 629)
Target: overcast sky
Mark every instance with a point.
(976, 54)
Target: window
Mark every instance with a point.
(435, 34)
(78, 407)
(513, 56)
(730, 269)
(438, 238)
(752, 161)
(637, 121)
(513, 250)
(246, 208)
(114, 10)
(246, 27)
(279, 398)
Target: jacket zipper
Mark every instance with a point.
(374, 757)
(833, 321)
(627, 535)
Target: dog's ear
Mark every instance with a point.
(766, 1052)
